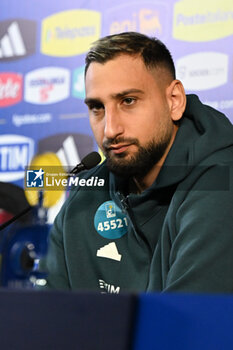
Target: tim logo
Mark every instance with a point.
(110, 210)
(35, 178)
(108, 288)
(16, 151)
(17, 39)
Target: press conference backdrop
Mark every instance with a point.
(42, 50)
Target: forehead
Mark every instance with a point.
(123, 72)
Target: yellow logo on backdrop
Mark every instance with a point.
(202, 20)
(145, 21)
(70, 33)
(149, 21)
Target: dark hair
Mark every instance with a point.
(153, 52)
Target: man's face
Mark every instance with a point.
(129, 114)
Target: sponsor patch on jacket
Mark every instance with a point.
(109, 221)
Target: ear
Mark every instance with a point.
(176, 99)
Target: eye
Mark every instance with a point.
(95, 107)
(129, 101)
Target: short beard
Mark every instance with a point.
(141, 162)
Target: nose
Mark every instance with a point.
(113, 123)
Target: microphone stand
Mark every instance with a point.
(21, 249)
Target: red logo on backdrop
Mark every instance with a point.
(10, 89)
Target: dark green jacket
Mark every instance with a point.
(175, 236)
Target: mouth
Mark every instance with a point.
(119, 148)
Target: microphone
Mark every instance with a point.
(88, 162)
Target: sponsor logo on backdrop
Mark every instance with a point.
(17, 39)
(222, 104)
(202, 20)
(16, 152)
(10, 88)
(47, 85)
(78, 87)
(145, 19)
(69, 147)
(202, 70)
(70, 33)
(28, 119)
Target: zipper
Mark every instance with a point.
(124, 202)
(126, 209)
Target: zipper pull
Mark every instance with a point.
(124, 201)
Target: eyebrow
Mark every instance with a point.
(114, 96)
(89, 101)
(127, 92)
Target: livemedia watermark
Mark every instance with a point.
(55, 178)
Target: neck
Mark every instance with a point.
(143, 183)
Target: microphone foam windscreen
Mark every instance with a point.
(91, 160)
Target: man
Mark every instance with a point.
(163, 221)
